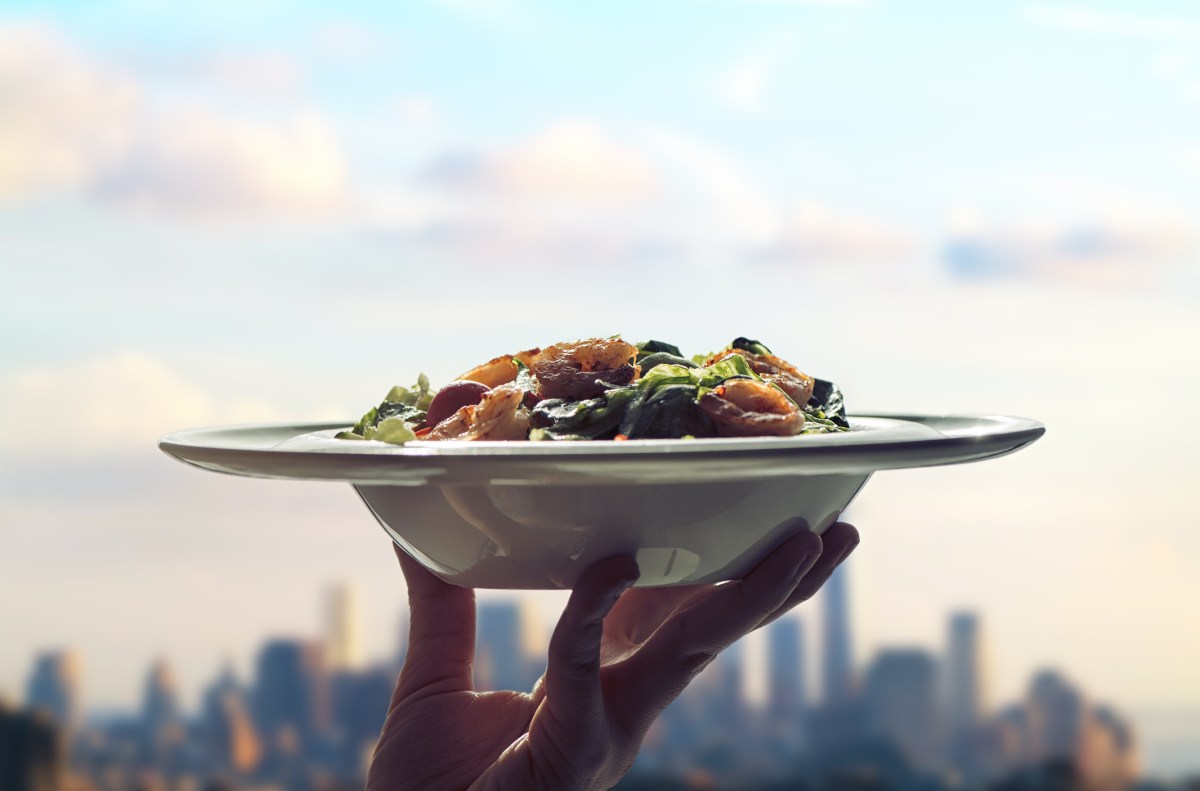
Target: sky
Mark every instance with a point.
(265, 211)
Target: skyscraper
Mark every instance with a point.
(54, 687)
(1056, 718)
(291, 691)
(343, 628)
(900, 704)
(786, 670)
(964, 690)
(837, 667)
(964, 672)
(162, 726)
(230, 739)
(31, 751)
(501, 662)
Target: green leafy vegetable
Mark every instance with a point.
(592, 418)
(754, 347)
(397, 417)
(647, 348)
(827, 400)
(670, 412)
(664, 358)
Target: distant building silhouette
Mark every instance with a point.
(900, 705)
(965, 693)
(291, 694)
(55, 688)
(500, 659)
(787, 698)
(231, 741)
(360, 706)
(837, 667)
(1057, 714)
(964, 672)
(162, 723)
(31, 751)
(343, 628)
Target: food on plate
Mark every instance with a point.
(609, 389)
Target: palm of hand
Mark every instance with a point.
(448, 738)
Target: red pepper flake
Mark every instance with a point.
(620, 438)
(720, 391)
(423, 432)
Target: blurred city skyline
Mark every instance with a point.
(252, 211)
(308, 714)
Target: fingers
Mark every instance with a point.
(572, 681)
(690, 639)
(837, 543)
(441, 634)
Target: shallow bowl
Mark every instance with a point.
(534, 514)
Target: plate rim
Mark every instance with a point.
(415, 466)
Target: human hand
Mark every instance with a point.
(617, 658)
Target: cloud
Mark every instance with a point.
(349, 42)
(199, 163)
(261, 75)
(72, 124)
(62, 119)
(417, 109)
(1084, 19)
(120, 402)
(813, 233)
(745, 84)
(571, 194)
(1099, 249)
(568, 159)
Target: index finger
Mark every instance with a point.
(441, 633)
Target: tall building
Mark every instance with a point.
(1057, 713)
(162, 725)
(31, 751)
(964, 689)
(837, 668)
(231, 742)
(500, 658)
(54, 687)
(291, 696)
(964, 672)
(786, 670)
(900, 705)
(343, 628)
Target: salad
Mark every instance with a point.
(609, 389)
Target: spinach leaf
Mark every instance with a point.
(646, 348)
(745, 344)
(670, 412)
(664, 358)
(827, 400)
(592, 418)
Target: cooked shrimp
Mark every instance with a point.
(798, 385)
(499, 370)
(748, 408)
(499, 416)
(584, 369)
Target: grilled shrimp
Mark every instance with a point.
(799, 386)
(748, 408)
(584, 369)
(499, 370)
(499, 416)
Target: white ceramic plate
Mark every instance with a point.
(876, 442)
(534, 514)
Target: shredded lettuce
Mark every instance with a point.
(397, 417)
